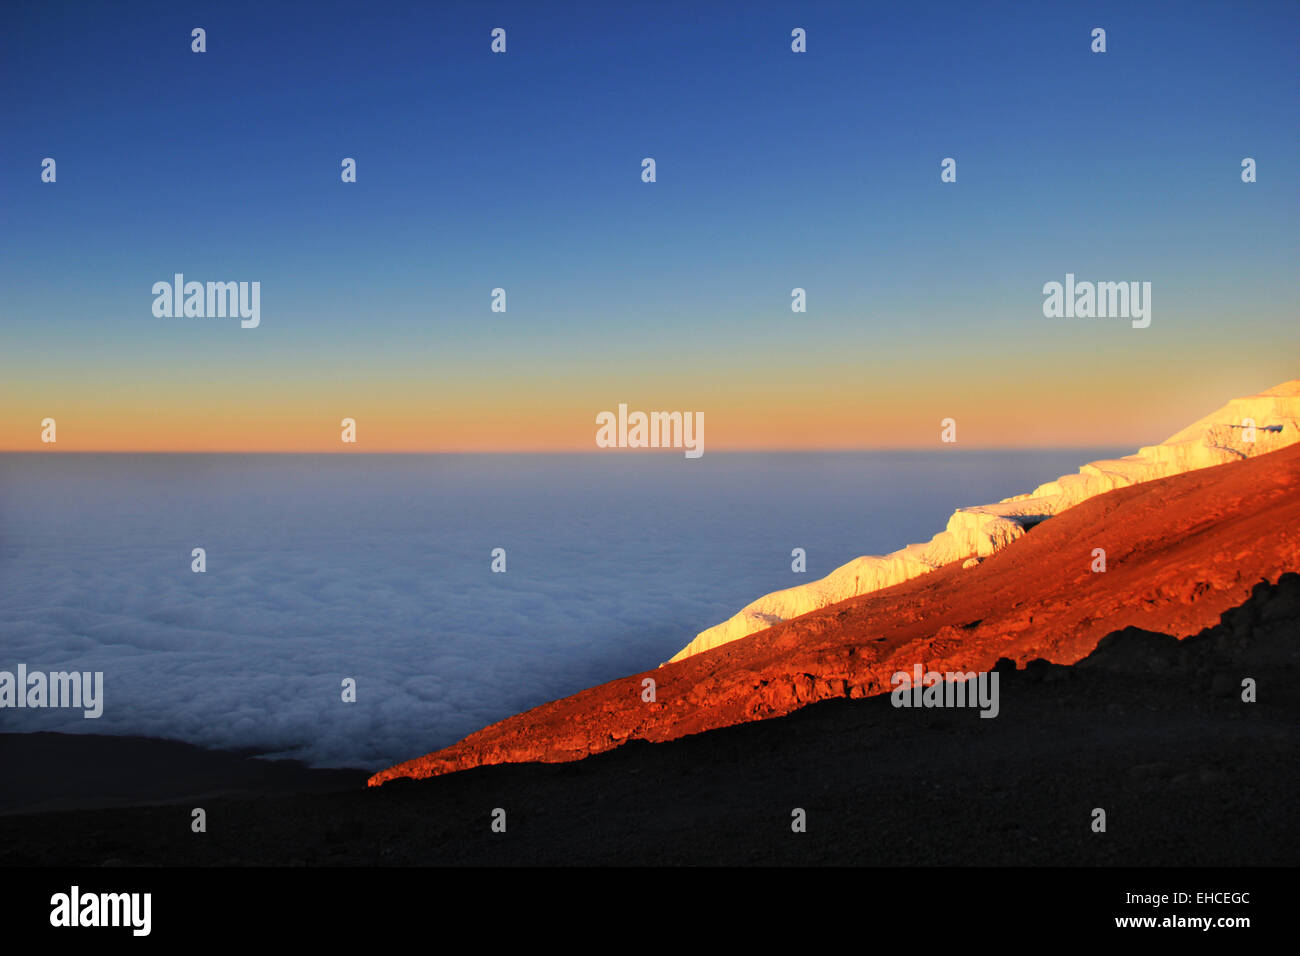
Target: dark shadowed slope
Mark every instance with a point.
(1151, 729)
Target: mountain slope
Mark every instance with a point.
(1180, 551)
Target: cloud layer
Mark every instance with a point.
(377, 568)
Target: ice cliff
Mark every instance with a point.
(973, 533)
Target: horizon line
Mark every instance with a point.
(605, 452)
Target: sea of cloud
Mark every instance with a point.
(377, 568)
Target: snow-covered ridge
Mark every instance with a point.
(977, 532)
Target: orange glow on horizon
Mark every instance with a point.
(838, 406)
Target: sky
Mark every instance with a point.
(774, 170)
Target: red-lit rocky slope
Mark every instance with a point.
(1179, 552)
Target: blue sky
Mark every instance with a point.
(522, 170)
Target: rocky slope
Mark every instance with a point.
(1180, 551)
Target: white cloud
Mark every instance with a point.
(377, 568)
